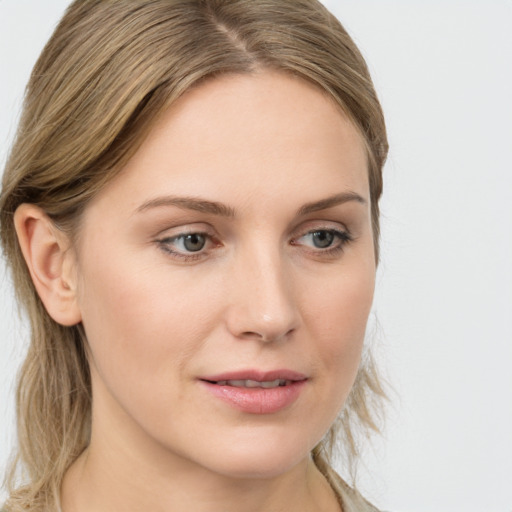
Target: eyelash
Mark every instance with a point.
(343, 238)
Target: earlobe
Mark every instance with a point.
(50, 262)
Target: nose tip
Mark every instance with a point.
(263, 306)
(269, 330)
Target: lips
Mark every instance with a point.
(256, 392)
(257, 376)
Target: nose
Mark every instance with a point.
(263, 305)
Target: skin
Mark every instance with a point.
(260, 294)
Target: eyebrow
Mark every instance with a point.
(189, 203)
(330, 202)
(215, 208)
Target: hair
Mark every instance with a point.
(104, 77)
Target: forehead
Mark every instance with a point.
(267, 131)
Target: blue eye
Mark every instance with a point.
(185, 245)
(193, 242)
(324, 239)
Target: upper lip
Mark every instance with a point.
(256, 375)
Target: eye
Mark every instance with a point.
(193, 242)
(324, 241)
(186, 246)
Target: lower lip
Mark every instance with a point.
(257, 400)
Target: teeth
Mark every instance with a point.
(273, 383)
(254, 383)
(238, 383)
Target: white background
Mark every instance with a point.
(444, 300)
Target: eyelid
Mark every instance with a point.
(169, 230)
(320, 225)
(340, 233)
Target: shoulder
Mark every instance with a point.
(350, 498)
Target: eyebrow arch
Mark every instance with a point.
(330, 202)
(189, 203)
(215, 208)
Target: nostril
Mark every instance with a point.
(266, 336)
(252, 334)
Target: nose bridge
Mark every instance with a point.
(263, 303)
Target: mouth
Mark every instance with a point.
(256, 392)
(248, 383)
(256, 378)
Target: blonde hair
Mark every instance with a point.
(107, 73)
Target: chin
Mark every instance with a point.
(258, 458)
(256, 468)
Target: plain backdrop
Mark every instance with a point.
(443, 70)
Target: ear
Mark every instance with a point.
(51, 263)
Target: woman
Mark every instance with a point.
(190, 212)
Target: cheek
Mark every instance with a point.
(338, 317)
(143, 327)
(139, 322)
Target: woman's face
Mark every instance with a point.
(225, 277)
